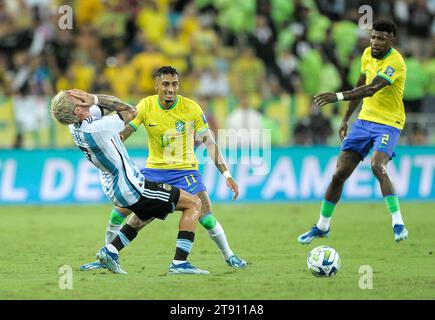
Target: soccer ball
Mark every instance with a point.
(323, 261)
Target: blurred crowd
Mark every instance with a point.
(252, 64)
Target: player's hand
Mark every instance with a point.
(85, 99)
(325, 98)
(342, 130)
(233, 186)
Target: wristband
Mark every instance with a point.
(340, 96)
(95, 99)
(227, 174)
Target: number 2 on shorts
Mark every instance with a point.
(385, 138)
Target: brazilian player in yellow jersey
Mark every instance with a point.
(171, 133)
(382, 117)
(173, 122)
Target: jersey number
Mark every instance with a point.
(164, 139)
(187, 179)
(385, 138)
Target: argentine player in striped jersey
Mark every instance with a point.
(97, 136)
(382, 117)
(172, 123)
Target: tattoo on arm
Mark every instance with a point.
(113, 103)
(125, 110)
(214, 152)
(105, 111)
(221, 167)
(107, 96)
(126, 132)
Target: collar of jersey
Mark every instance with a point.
(387, 54)
(171, 107)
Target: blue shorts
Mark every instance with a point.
(187, 180)
(366, 135)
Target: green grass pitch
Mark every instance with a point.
(36, 241)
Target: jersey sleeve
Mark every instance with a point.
(140, 118)
(111, 124)
(201, 124)
(96, 111)
(393, 70)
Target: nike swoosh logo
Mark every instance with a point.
(193, 188)
(152, 125)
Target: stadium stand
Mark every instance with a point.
(277, 53)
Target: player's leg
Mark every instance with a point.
(114, 226)
(379, 163)
(190, 206)
(157, 201)
(217, 233)
(117, 218)
(346, 164)
(355, 147)
(108, 256)
(128, 232)
(386, 138)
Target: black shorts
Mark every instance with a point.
(157, 200)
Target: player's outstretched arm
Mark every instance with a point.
(215, 154)
(356, 94)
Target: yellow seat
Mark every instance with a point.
(220, 109)
(7, 126)
(280, 112)
(303, 105)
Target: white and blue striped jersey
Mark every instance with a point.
(98, 139)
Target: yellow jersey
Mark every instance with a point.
(171, 132)
(386, 105)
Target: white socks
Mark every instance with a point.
(397, 218)
(111, 232)
(217, 234)
(323, 223)
(112, 248)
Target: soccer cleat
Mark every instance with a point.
(110, 260)
(400, 232)
(235, 262)
(97, 265)
(185, 268)
(314, 232)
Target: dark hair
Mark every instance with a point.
(385, 25)
(165, 70)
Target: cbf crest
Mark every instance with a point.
(180, 126)
(389, 71)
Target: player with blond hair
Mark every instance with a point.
(97, 135)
